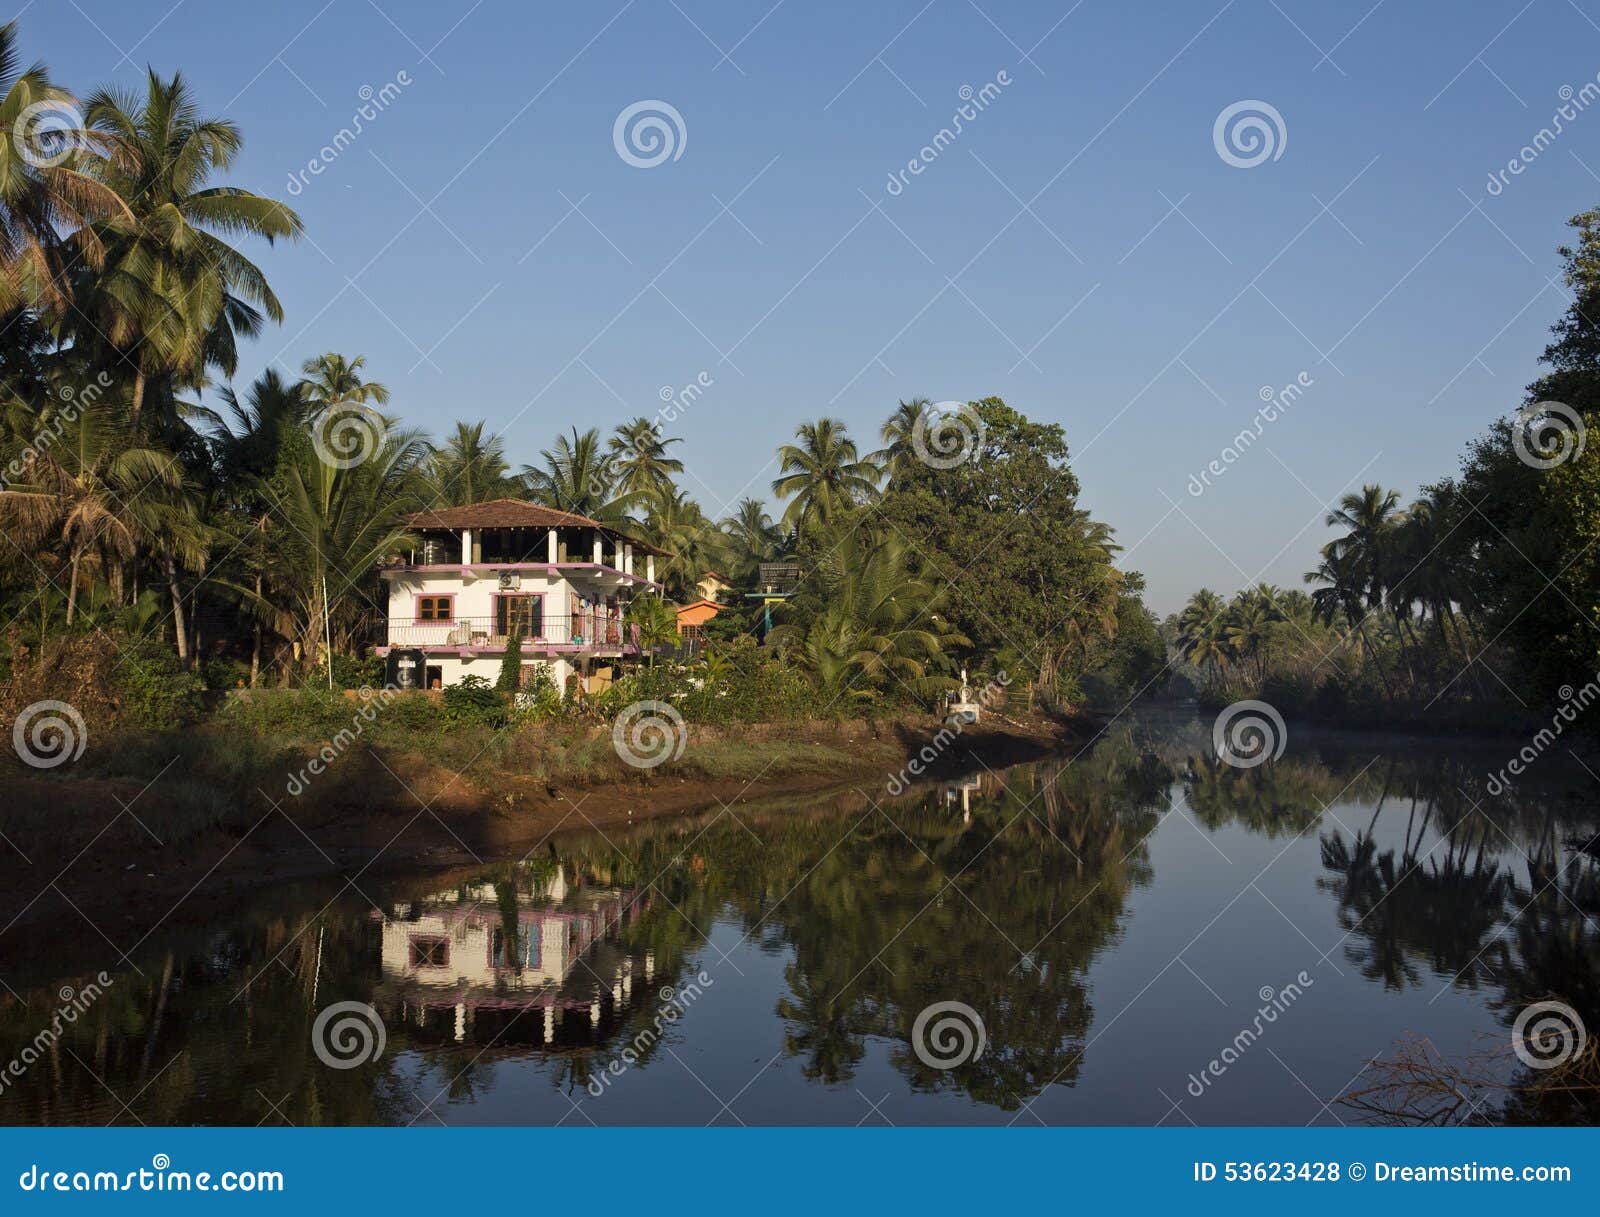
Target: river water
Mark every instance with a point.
(1134, 934)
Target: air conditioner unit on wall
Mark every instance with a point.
(510, 581)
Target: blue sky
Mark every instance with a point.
(1081, 248)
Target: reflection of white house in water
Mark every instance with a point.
(453, 966)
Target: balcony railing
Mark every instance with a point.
(491, 633)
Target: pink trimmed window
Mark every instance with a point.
(436, 608)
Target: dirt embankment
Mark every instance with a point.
(97, 845)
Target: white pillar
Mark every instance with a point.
(550, 549)
(466, 547)
(627, 559)
(597, 549)
(616, 555)
(549, 1024)
(650, 567)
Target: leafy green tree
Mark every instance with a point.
(1021, 565)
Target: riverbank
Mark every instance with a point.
(178, 828)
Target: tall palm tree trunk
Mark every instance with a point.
(170, 567)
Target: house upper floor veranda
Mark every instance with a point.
(482, 540)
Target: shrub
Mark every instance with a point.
(152, 689)
(473, 702)
(511, 665)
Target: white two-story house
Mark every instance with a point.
(482, 573)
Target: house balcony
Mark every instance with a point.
(549, 635)
(588, 573)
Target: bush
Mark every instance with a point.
(152, 689)
(474, 702)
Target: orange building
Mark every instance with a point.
(693, 615)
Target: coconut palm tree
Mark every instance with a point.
(338, 525)
(753, 539)
(640, 461)
(823, 474)
(1200, 632)
(469, 469)
(1368, 518)
(50, 197)
(861, 623)
(334, 380)
(697, 545)
(578, 476)
(174, 295)
(89, 490)
(897, 433)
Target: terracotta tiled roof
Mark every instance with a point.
(518, 513)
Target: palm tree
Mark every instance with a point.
(89, 489)
(48, 203)
(1200, 631)
(861, 619)
(753, 539)
(577, 477)
(823, 474)
(678, 525)
(653, 623)
(470, 469)
(897, 434)
(249, 446)
(174, 295)
(1368, 519)
(339, 524)
(640, 461)
(247, 451)
(333, 380)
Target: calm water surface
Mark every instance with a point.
(1115, 923)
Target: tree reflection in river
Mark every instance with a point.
(1002, 891)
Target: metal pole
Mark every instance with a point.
(327, 631)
